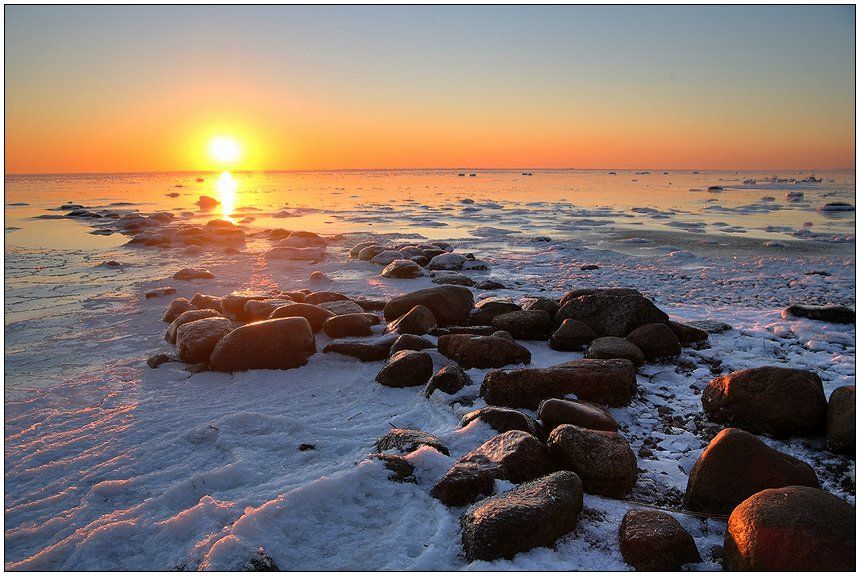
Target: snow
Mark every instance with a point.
(112, 465)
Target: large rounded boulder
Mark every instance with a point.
(654, 541)
(346, 325)
(609, 347)
(790, 529)
(419, 320)
(277, 344)
(611, 313)
(525, 324)
(483, 351)
(841, 420)
(655, 340)
(602, 459)
(553, 412)
(405, 369)
(315, 315)
(771, 400)
(736, 465)
(450, 305)
(196, 340)
(186, 317)
(571, 336)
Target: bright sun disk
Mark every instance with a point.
(224, 149)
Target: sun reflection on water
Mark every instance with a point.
(226, 187)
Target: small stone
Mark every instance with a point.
(193, 274)
(157, 360)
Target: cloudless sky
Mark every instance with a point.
(116, 88)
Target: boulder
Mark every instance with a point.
(405, 369)
(315, 315)
(277, 344)
(347, 325)
(184, 318)
(504, 420)
(655, 340)
(841, 421)
(654, 541)
(195, 340)
(687, 334)
(540, 303)
(386, 257)
(606, 382)
(513, 455)
(177, 307)
(450, 380)
(609, 314)
(233, 304)
(193, 274)
(770, 400)
(409, 342)
(489, 308)
(571, 336)
(447, 261)
(341, 307)
(554, 412)
(354, 252)
(368, 253)
(464, 483)
(453, 279)
(419, 320)
(609, 347)
(450, 305)
(309, 238)
(482, 351)
(833, 314)
(406, 440)
(318, 298)
(204, 301)
(533, 514)
(261, 309)
(489, 285)
(364, 351)
(401, 268)
(736, 465)
(313, 254)
(795, 528)
(602, 459)
(525, 324)
(617, 292)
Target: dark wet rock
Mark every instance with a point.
(834, 314)
(419, 320)
(405, 369)
(489, 308)
(587, 267)
(514, 455)
(261, 309)
(260, 562)
(347, 325)
(655, 541)
(795, 528)
(410, 342)
(606, 382)
(157, 360)
(609, 347)
(341, 307)
(602, 459)
(504, 420)
(207, 202)
(196, 340)
(177, 307)
(473, 330)
(315, 315)
(841, 420)
(401, 268)
(193, 274)
(431, 253)
(453, 279)
(770, 399)
(482, 351)
(611, 315)
(618, 292)
(403, 470)
(317, 298)
(464, 483)
(184, 318)
(710, 326)
(277, 344)
(655, 340)
(534, 514)
(450, 380)
(406, 440)
(571, 336)
(204, 301)
(450, 305)
(734, 466)
(306, 447)
(525, 324)
(363, 351)
(368, 253)
(159, 292)
(489, 285)
(554, 412)
(540, 303)
(687, 334)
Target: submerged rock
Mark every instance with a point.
(770, 399)
(795, 528)
(482, 351)
(602, 459)
(607, 382)
(405, 369)
(534, 514)
(450, 305)
(736, 465)
(277, 344)
(652, 541)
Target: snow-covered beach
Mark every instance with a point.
(113, 465)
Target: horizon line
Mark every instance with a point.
(474, 169)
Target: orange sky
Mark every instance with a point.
(311, 91)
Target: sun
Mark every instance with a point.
(225, 149)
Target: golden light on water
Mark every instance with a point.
(226, 187)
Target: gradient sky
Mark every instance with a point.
(113, 88)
